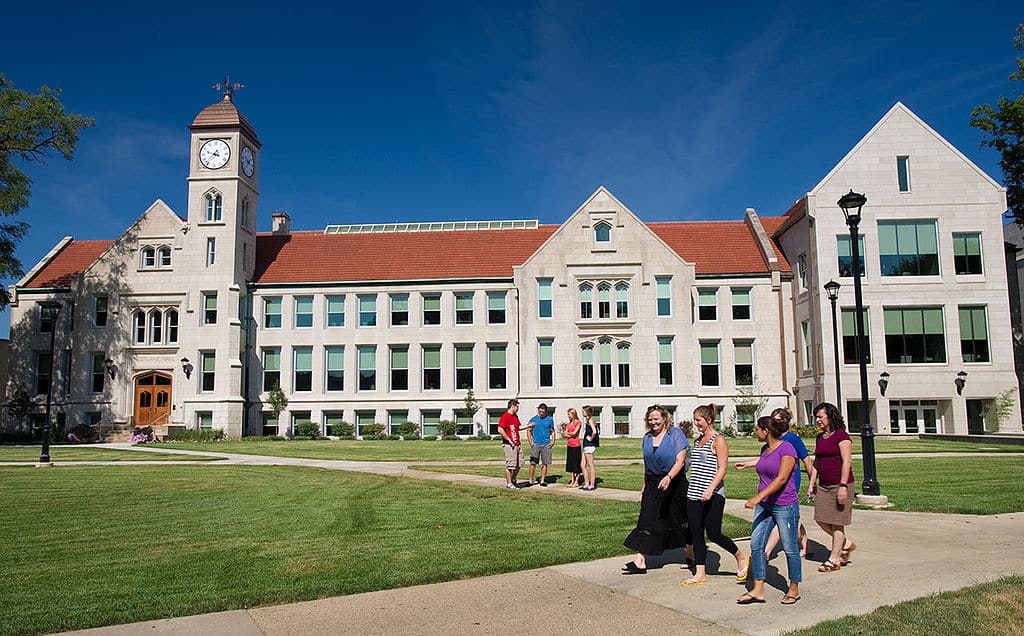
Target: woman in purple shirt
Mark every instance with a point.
(776, 504)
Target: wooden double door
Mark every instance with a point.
(152, 399)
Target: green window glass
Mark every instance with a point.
(663, 285)
(335, 311)
(914, 335)
(741, 303)
(967, 253)
(544, 308)
(303, 311)
(546, 362)
(431, 367)
(707, 304)
(845, 251)
(665, 371)
(709, 375)
(430, 421)
(272, 313)
(496, 367)
(432, 309)
(334, 358)
(367, 357)
(743, 350)
(496, 308)
(908, 248)
(399, 368)
(464, 309)
(399, 309)
(974, 335)
(367, 311)
(464, 367)
(849, 318)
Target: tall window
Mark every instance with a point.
(463, 367)
(741, 303)
(974, 335)
(623, 354)
(399, 367)
(587, 363)
(148, 257)
(665, 357)
(544, 309)
(156, 327)
(496, 372)
(171, 319)
(707, 304)
(801, 270)
(464, 308)
(586, 301)
(243, 218)
(99, 314)
(663, 285)
(211, 251)
(399, 310)
(808, 336)
(546, 362)
(335, 311)
(164, 254)
(431, 367)
(967, 253)
(709, 375)
(429, 422)
(843, 248)
(368, 311)
(602, 232)
(208, 370)
(303, 311)
(908, 248)
(44, 372)
(622, 300)
(395, 420)
(139, 327)
(914, 335)
(47, 318)
(271, 367)
(209, 308)
(332, 421)
(98, 368)
(604, 352)
(903, 173)
(431, 309)
(850, 349)
(367, 368)
(363, 420)
(334, 363)
(214, 207)
(272, 313)
(604, 300)
(496, 308)
(302, 373)
(744, 360)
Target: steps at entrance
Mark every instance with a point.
(115, 432)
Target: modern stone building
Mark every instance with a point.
(189, 321)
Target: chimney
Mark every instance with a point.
(281, 223)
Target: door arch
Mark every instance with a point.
(152, 399)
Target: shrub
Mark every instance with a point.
(189, 435)
(373, 431)
(346, 436)
(451, 438)
(84, 432)
(447, 428)
(307, 430)
(395, 437)
(344, 430)
(809, 432)
(408, 430)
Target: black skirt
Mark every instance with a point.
(662, 522)
(573, 459)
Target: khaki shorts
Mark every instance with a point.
(541, 454)
(513, 456)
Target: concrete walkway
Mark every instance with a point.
(899, 556)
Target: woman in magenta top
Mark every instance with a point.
(776, 505)
(831, 483)
(573, 452)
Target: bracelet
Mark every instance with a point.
(846, 486)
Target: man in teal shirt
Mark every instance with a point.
(541, 433)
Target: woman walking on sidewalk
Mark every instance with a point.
(830, 483)
(591, 434)
(705, 497)
(662, 509)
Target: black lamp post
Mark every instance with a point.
(851, 204)
(52, 308)
(832, 289)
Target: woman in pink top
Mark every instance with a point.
(573, 450)
(831, 483)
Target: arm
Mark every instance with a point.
(750, 463)
(674, 471)
(812, 479)
(590, 430)
(786, 465)
(721, 449)
(846, 452)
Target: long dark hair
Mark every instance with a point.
(835, 419)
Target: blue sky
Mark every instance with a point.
(469, 110)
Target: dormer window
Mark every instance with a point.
(603, 232)
(152, 257)
(165, 256)
(148, 257)
(214, 207)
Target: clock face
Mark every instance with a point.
(248, 161)
(214, 154)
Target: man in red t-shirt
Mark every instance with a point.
(509, 427)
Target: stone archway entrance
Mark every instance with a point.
(152, 399)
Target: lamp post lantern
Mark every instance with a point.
(851, 204)
(52, 309)
(832, 289)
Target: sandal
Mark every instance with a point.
(747, 599)
(741, 575)
(633, 568)
(691, 582)
(789, 599)
(845, 554)
(828, 566)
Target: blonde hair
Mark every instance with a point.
(707, 411)
(571, 412)
(664, 414)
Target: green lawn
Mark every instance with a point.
(96, 545)
(474, 450)
(86, 453)
(990, 609)
(961, 485)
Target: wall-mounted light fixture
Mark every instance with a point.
(960, 381)
(111, 368)
(187, 367)
(883, 381)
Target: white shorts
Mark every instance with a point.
(589, 449)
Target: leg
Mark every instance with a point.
(802, 535)
(787, 518)
(762, 528)
(838, 542)
(695, 517)
(713, 523)
(773, 541)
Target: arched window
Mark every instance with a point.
(587, 364)
(139, 323)
(623, 363)
(171, 320)
(148, 257)
(604, 352)
(603, 232)
(156, 326)
(244, 217)
(214, 207)
(622, 300)
(165, 256)
(604, 300)
(586, 301)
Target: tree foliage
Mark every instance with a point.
(277, 400)
(1003, 128)
(33, 128)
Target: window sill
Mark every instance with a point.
(211, 223)
(162, 348)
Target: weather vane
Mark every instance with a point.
(227, 86)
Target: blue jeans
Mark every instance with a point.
(766, 517)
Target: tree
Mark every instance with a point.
(33, 127)
(277, 400)
(1003, 128)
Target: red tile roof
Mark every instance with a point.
(717, 247)
(795, 212)
(72, 259)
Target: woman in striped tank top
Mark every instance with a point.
(705, 497)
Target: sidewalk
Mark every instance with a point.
(899, 556)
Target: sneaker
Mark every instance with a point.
(542, 484)
(511, 487)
